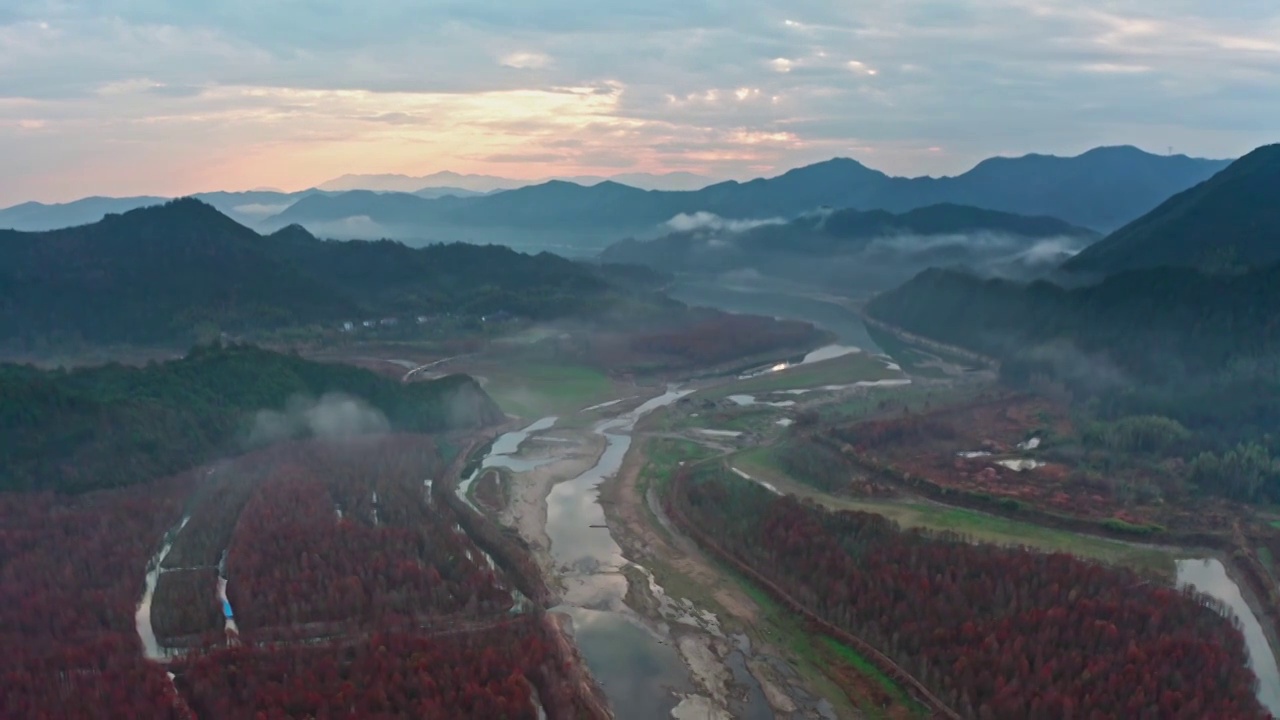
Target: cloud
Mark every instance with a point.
(516, 157)
(334, 416)
(289, 95)
(526, 60)
(686, 222)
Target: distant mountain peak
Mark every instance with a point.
(1230, 220)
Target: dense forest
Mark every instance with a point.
(71, 570)
(487, 675)
(182, 271)
(357, 594)
(993, 632)
(368, 553)
(115, 425)
(1201, 349)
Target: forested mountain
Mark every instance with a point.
(1100, 189)
(180, 270)
(114, 425)
(1203, 349)
(872, 249)
(153, 274)
(1229, 221)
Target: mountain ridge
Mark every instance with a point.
(1122, 183)
(178, 271)
(1230, 219)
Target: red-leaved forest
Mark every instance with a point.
(995, 633)
(354, 595)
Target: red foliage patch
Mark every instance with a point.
(71, 573)
(994, 632)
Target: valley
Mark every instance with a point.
(773, 481)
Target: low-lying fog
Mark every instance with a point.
(855, 264)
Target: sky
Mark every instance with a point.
(166, 97)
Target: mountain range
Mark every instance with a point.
(1101, 189)
(173, 272)
(490, 183)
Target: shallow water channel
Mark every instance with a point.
(639, 671)
(1210, 577)
(636, 662)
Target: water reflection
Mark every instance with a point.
(639, 672)
(1210, 577)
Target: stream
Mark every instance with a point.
(1210, 577)
(638, 664)
(502, 454)
(151, 648)
(639, 671)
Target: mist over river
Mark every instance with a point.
(759, 296)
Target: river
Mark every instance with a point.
(1210, 577)
(635, 660)
(639, 671)
(773, 300)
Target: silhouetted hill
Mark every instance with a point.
(152, 274)
(1230, 220)
(182, 270)
(114, 425)
(1101, 189)
(871, 249)
(455, 277)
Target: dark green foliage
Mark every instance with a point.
(1246, 472)
(114, 425)
(183, 272)
(815, 464)
(151, 275)
(1140, 434)
(1203, 350)
(1229, 221)
(389, 277)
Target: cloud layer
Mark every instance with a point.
(131, 96)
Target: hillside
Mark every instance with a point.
(850, 247)
(1228, 221)
(151, 275)
(181, 271)
(1204, 349)
(112, 425)
(1100, 189)
(458, 277)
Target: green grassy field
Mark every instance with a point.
(837, 371)
(532, 390)
(759, 463)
